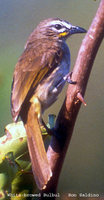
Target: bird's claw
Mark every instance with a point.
(68, 78)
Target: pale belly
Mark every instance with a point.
(51, 87)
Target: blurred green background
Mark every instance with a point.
(83, 170)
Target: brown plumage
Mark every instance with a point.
(37, 59)
(37, 81)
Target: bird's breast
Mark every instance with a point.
(49, 89)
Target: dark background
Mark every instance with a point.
(83, 170)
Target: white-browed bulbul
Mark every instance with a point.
(39, 76)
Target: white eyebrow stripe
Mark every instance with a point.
(63, 23)
(68, 25)
(54, 22)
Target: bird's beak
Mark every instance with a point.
(76, 29)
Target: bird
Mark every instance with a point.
(39, 76)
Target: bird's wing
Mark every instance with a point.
(30, 69)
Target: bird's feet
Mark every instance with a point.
(67, 78)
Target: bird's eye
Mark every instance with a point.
(58, 26)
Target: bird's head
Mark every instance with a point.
(57, 28)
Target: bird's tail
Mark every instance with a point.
(40, 166)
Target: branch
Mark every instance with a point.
(67, 116)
